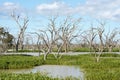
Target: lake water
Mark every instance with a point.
(59, 71)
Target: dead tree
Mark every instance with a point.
(29, 42)
(68, 31)
(45, 44)
(49, 38)
(57, 35)
(89, 36)
(111, 40)
(54, 35)
(22, 24)
(100, 31)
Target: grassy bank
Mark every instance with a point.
(107, 69)
(19, 61)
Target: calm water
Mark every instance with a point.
(53, 71)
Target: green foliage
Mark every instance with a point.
(5, 37)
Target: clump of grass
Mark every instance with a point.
(106, 74)
(19, 61)
(31, 76)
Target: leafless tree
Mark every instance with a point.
(68, 31)
(100, 31)
(89, 36)
(45, 43)
(111, 40)
(54, 30)
(22, 25)
(48, 38)
(57, 35)
(29, 42)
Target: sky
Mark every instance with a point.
(38, 12)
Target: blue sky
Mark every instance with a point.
(39, 10)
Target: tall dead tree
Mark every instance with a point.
(68, 31)
(100, 31)
(22, 24)
(45, 43)
(48, 38)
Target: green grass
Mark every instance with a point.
(107, 69)
(31, 76)
(116, 50)
(80, 49)
(19, 61)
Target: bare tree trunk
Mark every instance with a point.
(65, 47)
(45, 56)
(98, 56)
(110, 49)
(46, 53)
(17, 46)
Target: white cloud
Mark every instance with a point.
(7, 7)
(102, 8)
(51, 6)
(54, 8)
(109, 9)
(8, 4)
